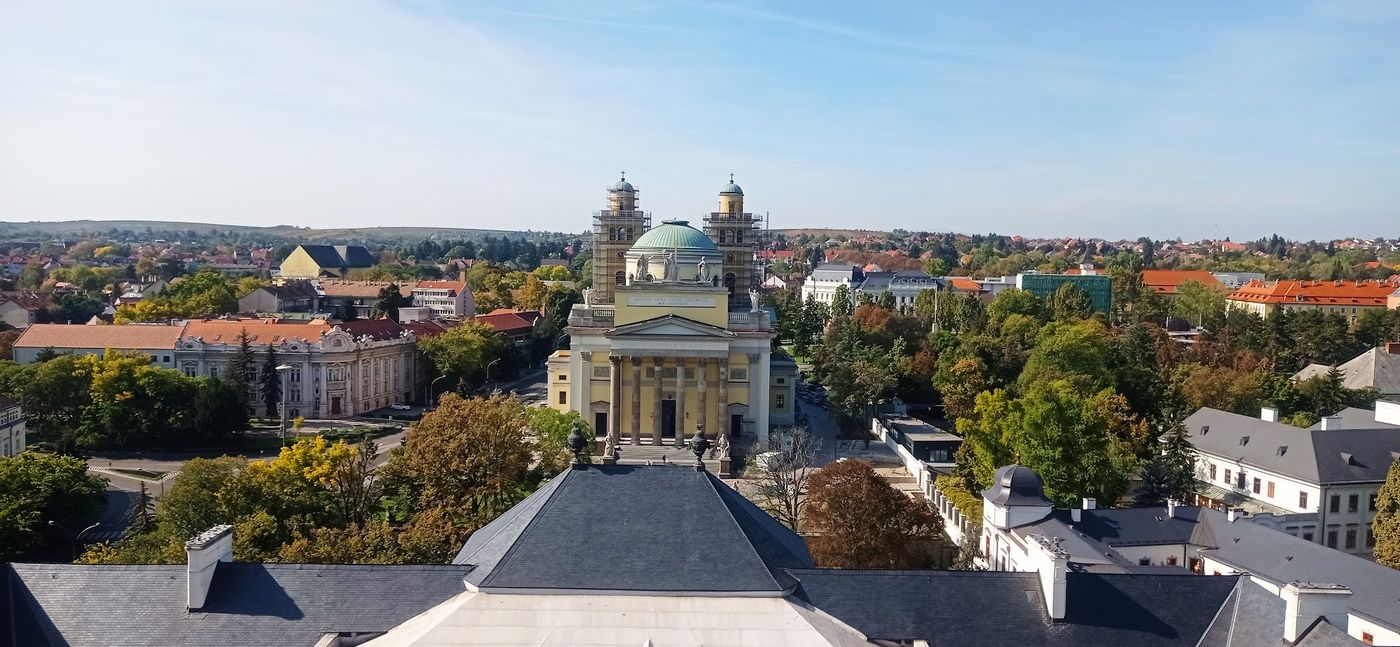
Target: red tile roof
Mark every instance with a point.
(1356, 293)
(128, 337)
(1167, 281)
(508, 321)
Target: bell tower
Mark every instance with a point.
(736, 233)
(614, 231)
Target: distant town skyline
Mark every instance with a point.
(1088, 119)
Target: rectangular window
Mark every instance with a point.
(1372, 504)
(1212, 471)
(1269, 491)
(1367, 638)
(1171, 560)
(1303, 500)
(1351, 537)
(1258, 484)
(1143, 561)
(1332, 537)
(1308, 534)
(1353, 503)
(738, 374)
(600, 371)
(1334, 504)
(780, 401)
(1227, 477)
(563, 397)
(1370, 535)
(1239, 483)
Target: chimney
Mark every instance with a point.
(1305, 602)
(1172, 505)
(1234, 513)
(204, 553)
(1392, 347)
(1052, 564)
(1268, 414)
(1090, 503)
(1331, 422)
(1075, 514)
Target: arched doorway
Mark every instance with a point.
(729, 282)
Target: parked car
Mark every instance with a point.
(399, 406)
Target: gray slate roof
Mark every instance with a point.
(248, 604)
(1374, 368)
(1253, 617)
(338, 256)
(836, 272)
(1313, 455)
(582, 531)
(1003, 608)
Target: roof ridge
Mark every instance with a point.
(748, 541)
(520, 538)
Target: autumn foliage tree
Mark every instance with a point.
(854, 519)
(1387, 521)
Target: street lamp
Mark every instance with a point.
(431, 389)
(285, 386)
(488, 368)
(76, 535)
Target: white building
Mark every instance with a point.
(1022, 531)
(1319, 484)
(12, 429)
(822, 283)
(446, 298)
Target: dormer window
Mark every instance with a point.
(1244, 440)
(1282, 449)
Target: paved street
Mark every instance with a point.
(822, 427)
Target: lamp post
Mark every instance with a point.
(76, 535)
(285, 386)
(488, 368)
(432, 389)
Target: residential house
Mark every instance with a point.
(297, 295)
(22, 309)
(155, 340)
(1319, 483)
(337, 370)
(445, 298)
(517, 325)
(699, 565)
(1167, 282)
(1378, 368)
(357, 297)
(322, 261)
(12, 428)
(1347, 298)
(1338, 594)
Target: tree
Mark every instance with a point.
(270, 382)
(1172, 473)
(240, 368)
(390, 300)
(463, 352)
(551, 432)
(1069, 303)
(841, 305)
(465, 463)
(532, 293)
(1387, 519)
(1200, 304)
(780, 474)
(38, 488)
(1012, 301)
(855, 519)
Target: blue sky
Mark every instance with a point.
(1074, 117)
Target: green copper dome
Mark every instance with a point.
(731, 188)
(675, 234)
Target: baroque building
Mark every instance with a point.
(671, 337)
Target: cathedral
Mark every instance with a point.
(671, 338)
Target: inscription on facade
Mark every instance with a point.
(652, 301)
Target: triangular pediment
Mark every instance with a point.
(669, 326)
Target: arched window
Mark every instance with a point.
(612, 233)
(620, 277)
(729, 282)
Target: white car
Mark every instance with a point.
(399, 406)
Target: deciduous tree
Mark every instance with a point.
(855, 519)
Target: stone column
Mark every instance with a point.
(723, 403)
(657, 364)
(702, 418)
(636, 403)
(582, 388)
(756, 399)
(614, 397)
(680, 401)
(761, 420)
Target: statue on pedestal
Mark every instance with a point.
(753, 300)
(588, 297)
(642, 263)
(610, 447)
(723, 446)
(701, 271)
(670, 266)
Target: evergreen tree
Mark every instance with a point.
(1171, 474)
(141, 517)
(271, 381)
(240, 368)
(390, 300)
(1387, 521)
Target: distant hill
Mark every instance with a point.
(81, 228)
(830, 233)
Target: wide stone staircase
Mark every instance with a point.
(667, 454)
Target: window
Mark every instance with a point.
(780, 401)
(1269, 491)
(1227, 477)
(1257, 485)
(1171, 560)
(1353, 502)
(1370, 536)
(1143, 561)
(1308, 533)
(938, 456)
(1332, 537)
(1367, 638)
(561, 377)
(600, 371)
(738, 374)
(1351, 537)
(1240, 481)
(165, 359)
(190, 369)
(1334, 504)
(563, 397)
(1372, 504)
(1212, 471)
(1303, 500)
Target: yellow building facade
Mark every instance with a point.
(669, 346)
